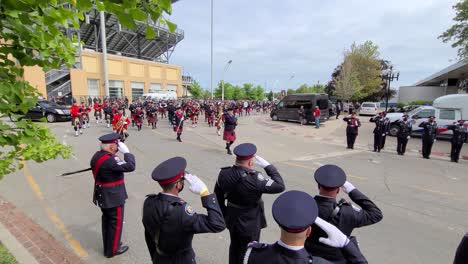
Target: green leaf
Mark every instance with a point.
(150, 34)
(172, 27)
(84, 4)
(126, 20)
(138, 15)
(100, 6)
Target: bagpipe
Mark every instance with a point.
(120, 128)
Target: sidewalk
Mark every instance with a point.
(27, 241)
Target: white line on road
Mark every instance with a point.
(328, 155)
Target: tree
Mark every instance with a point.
(248, 91)
(238, 93)
(270, 96)
(31, 35)
(228, 91)
(196, 90)
(259, 93)
(458, 33)
(347, 83)
(206, 94)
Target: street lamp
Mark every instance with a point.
(290, 78)
(211, 79)
(388, 77)
(226, 68)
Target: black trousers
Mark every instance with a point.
(427, 147)
(377, 141)
(455, 151)
(401, 145)
(382, 142)
(238, 245)
(350, 139)
(338, 112)
(112, 225)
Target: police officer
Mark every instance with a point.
(460, 135)
(429, 136)
(242, 187)
(295, 223)
(352, 127)
(342, 214)
(379, 131)
(386, 129)
(405, 127)
(461, 256)
(109, 190)
(170, 222)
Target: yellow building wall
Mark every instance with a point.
(124, 69)
(36, 77)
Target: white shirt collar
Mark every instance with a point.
(295, 248)
(170, 194)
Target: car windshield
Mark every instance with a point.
(413, 112)
(47, 104)
(368, 105)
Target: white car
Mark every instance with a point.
(369, 108)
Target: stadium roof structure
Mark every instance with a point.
(455, 71)
(129, 42)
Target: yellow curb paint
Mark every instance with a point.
(74, 244)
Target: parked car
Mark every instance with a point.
(369, 108)
(44, 109)
(287, 108)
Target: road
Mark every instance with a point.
(424, 202)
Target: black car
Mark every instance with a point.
(50, 111)
(287, 108)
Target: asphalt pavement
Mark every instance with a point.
(424, 202)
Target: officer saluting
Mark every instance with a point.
(295, 212)
(341, 214)
(243, 187)
(379, 131)
(352, 127)
(429, 136)
(170, 222)
(404, 133)
(460, 135)
(109, 190)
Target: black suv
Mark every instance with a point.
(51, 111)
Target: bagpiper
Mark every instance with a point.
(120, 124)
(178, 124)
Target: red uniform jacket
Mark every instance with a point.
(74, 111)
(116, 120)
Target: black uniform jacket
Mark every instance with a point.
(243, 189)
(405, 128)
(277, 254)
(230, 122)
(353, 126)
(429, 130)
(109, 185)
(170, 224)
(347, 218)
(459, 134)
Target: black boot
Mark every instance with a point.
(178, 138)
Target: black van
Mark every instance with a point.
(287, 109)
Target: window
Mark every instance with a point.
(115, 89)
(426, 113)
(447, 114)
(369, 105)
(322, 103)
(307, 104)
(93, 88)
(137, 89)
(280, 105)
(155, 88)
(172, 88)
(291, 104)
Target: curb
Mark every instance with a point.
(14, 246)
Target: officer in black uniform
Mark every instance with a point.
(379, 131)
(171, 112)
(352, 128)
(460, 135)
(386, 129)
(170, 222)
(109, 190)
(242, 187)
(405, 127)
(429, 136)
(461, 256)
(341, 214)
(295, 223)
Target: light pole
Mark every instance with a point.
(389, 76)
(226, 68)
(289, 81)
(211, 82)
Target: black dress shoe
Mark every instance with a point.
(120, 251)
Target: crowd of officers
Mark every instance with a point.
(429, 130)
(313, 229)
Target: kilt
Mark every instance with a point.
(153, 119)
(138, 120)
(229, 135)
(181, 128)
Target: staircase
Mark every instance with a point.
(58, 82)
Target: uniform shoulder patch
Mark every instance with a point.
(257, 245)
(189, 210)
(260, 177)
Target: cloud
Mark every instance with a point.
(269, 40)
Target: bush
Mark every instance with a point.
(420, 102)
(6, 257)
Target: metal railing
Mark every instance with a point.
(64, 88)
(56, 74)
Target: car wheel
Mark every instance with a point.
(274, 118)
(50, 118)
(394, 129)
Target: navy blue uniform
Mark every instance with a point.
(170, 224)
(379, 131)
(428, 137)
(404, 132)
(460, 135)
(352, 128)
(242, 189)
(345, 217)
(110, 195)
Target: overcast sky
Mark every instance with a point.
(269, 40)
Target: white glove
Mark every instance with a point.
(435, 140)
(383, 135)
(261, 162)
(123, 148)
(348, 187)
(408, 137)
(336, 238)
(126, 123)
(197, 186)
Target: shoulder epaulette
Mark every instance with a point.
(257, 245)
